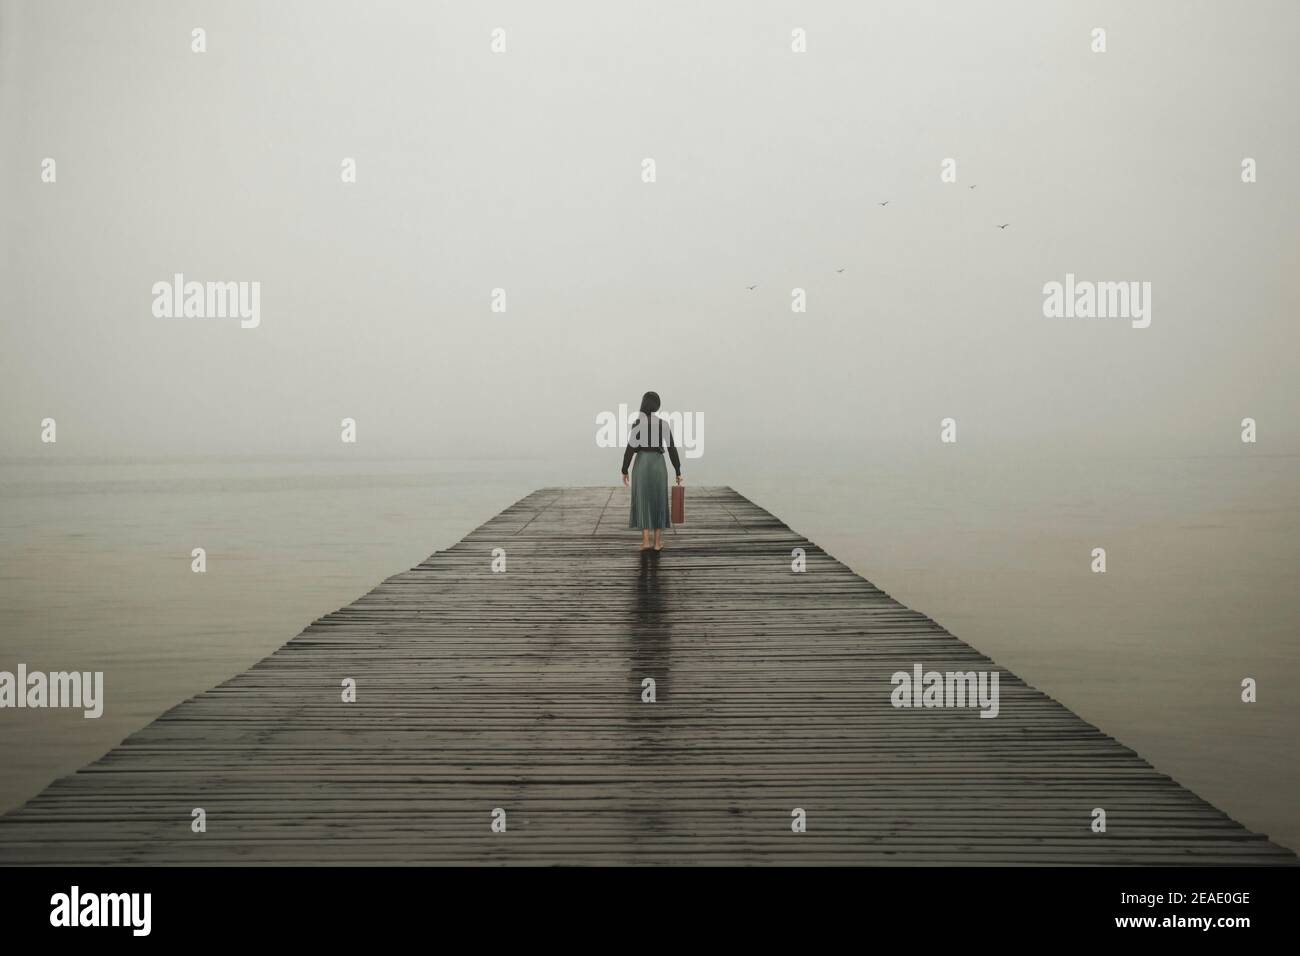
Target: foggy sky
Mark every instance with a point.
(522, 171)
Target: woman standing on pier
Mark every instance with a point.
(650, 435)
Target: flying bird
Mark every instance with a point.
(885, 203)
(751, 288)
(839, 270)
(970, 187)
(1004, 225)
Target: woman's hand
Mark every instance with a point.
(679, 479)
(625, 479)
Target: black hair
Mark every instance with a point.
(649, 403)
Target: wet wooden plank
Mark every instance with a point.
(522, 690)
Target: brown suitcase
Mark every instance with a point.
(679, 504)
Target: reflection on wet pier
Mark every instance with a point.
(526, 690)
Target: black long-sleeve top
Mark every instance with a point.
(653, 442)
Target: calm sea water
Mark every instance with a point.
(1203, 560)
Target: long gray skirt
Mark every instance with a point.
(649, 491)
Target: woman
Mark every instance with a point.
(650, 477)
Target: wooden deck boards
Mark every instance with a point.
(522, 690)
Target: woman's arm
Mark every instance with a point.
(672, 454)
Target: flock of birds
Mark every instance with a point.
(1003, 225)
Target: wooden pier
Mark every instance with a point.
(522, 690)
